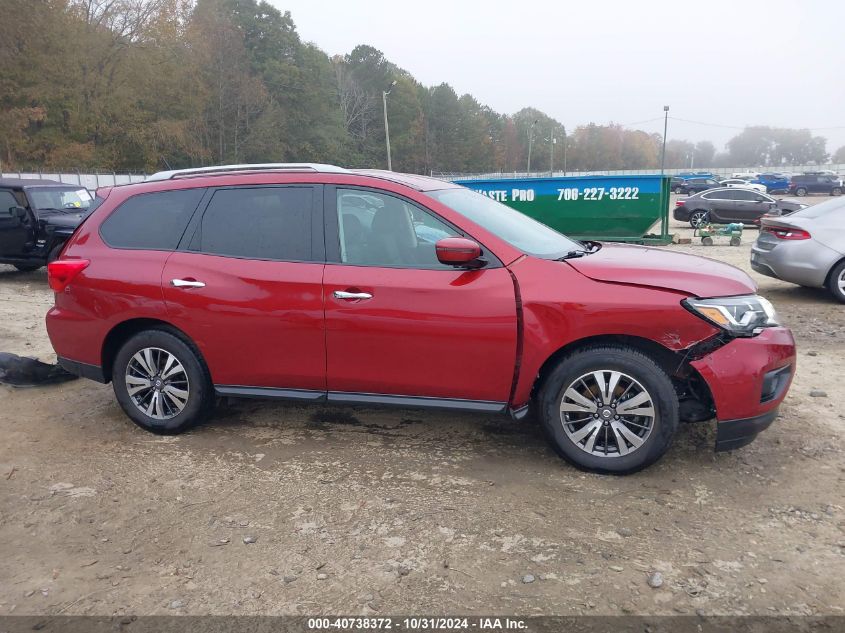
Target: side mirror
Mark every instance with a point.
(458, 251)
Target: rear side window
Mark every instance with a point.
(259, 223)
(153, 221)
(7, 201)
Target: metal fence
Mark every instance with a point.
(718, 171)
(89, 181)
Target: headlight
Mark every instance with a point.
(741, 316)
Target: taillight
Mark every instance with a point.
(62, 271)
(679, 203)
(788, 234)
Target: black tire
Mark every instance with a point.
(54, 252)
(707, 241)
(608, 358)
(801, 192)
(200, 399)
(27, 268)
(736, 241)
(833, 281)
(836, 191)
(698, 217)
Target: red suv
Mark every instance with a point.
(317, 283)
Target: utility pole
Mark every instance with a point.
(384, 94)
(665, 126)
(530, 143)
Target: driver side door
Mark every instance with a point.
(16, 232)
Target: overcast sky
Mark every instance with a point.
(723, 63)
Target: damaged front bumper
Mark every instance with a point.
(748, 379)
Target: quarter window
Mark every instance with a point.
(381, 230)
(152, 221)
(259, 223)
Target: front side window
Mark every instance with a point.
(154, 221)
(258, 223)
(7, 201)
(56, 198)
(377, 229)
(518, 230)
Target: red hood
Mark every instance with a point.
(662, 268)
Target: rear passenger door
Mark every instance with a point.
(246, 286)
(720, 203)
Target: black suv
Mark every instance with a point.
(815, 183)
(692, 185)
(36, 218)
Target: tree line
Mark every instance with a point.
(157, 84)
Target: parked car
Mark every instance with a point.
(695, 174)
(232, 282)
(36, 218)
(805, 248)
(694, 185)
(745, 175)
(804, 184)
(743, 184)
(725, 205)
(774, 183)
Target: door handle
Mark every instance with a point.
(350, 296)
(186, 283)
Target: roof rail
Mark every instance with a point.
(225, 169)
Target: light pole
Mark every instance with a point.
(552, 141)
(530, 143)
(665, 126)
(384, 94)
(564, 151)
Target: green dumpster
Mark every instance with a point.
(608, 208)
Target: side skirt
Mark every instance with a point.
(361, 399)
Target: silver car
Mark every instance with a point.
(806, 247)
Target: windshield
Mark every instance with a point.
(517, 229)
(58, 198)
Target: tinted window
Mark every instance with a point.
(7, 201)
(152, 220)
(745, 194)
(58, 198)
(721, 194)
(259, 223)
(382, 230)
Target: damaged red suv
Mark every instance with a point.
(316, 283)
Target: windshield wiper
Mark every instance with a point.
(571, 255)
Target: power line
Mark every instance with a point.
(742, 127)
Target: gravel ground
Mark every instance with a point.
(280, 509)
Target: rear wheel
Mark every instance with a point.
(161, 382)
(836, 282)
(609, 409)
(836, 191)
(707, 241)
(697, 218)
(801, 192)
(736, 241)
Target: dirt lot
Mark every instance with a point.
(386, 512)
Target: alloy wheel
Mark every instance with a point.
(607, 413)
(697, 218)
(840, 281)
(157, 383)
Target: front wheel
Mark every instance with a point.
(161, 382)
(836, 283)
(836, 191)
(609, 409)
(800, 192)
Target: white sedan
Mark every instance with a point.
(741, 183)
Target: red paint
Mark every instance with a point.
(60, 273)
(457, 250)
(267, 316)
(470, 334)
(735, 372)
